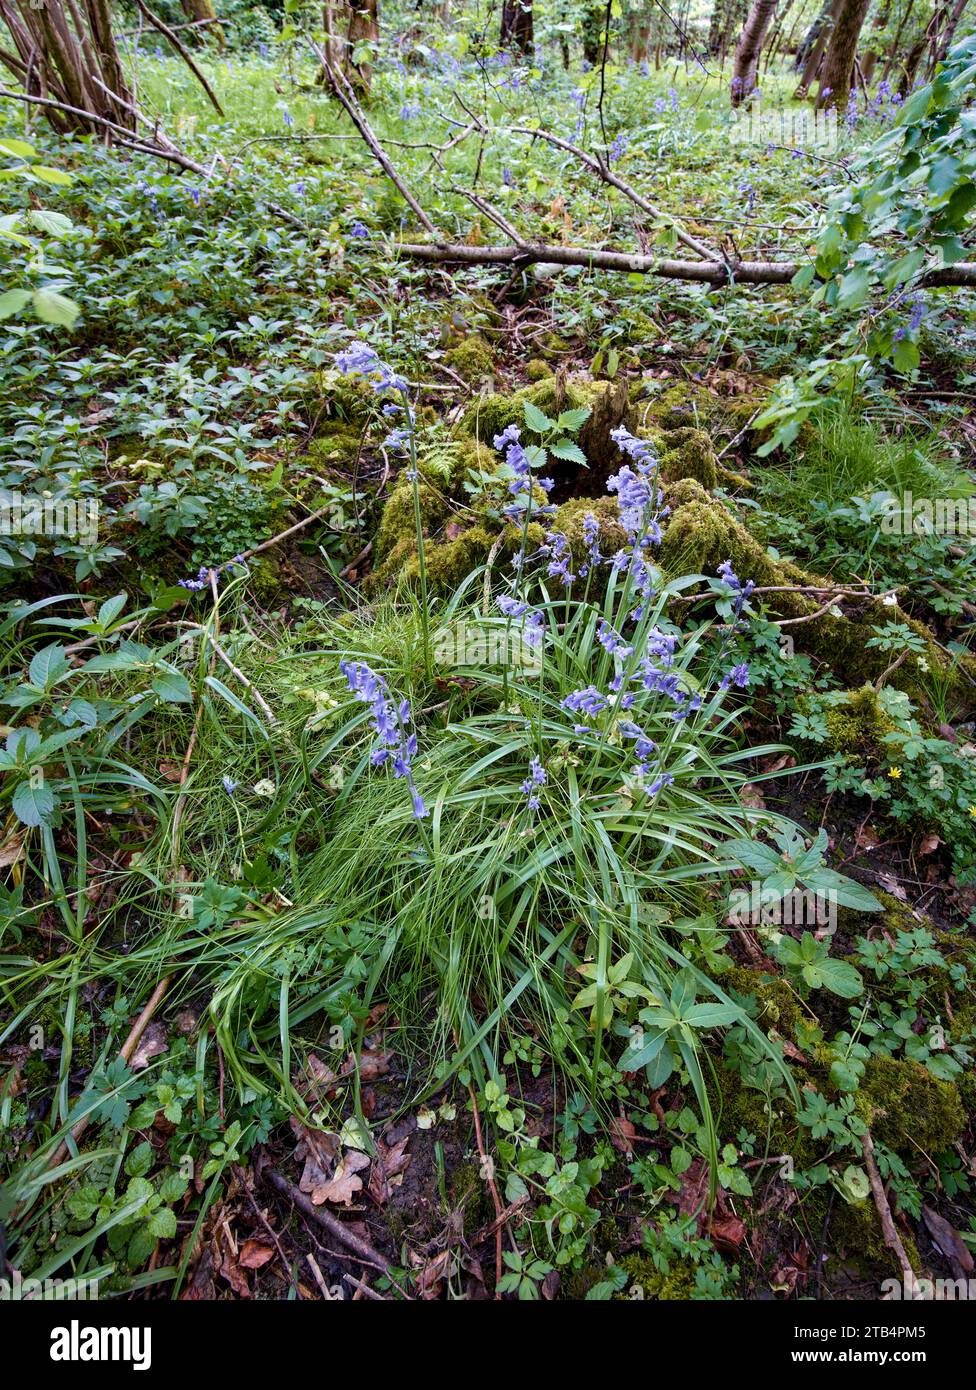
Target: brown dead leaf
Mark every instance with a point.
(750, 795)
(346, 1182)
(372, 1065)
(867, 838)
(319, 1151)
(892, 886)
(153, 1043)
(622, 1133)
(12, 848)
(429, 1279)
(950, 1242)
(728, 1232)
(930, 843)
(388, 1167)
(254, 1254)
(171, 772)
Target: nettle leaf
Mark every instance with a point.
(573, 420)
(566, 449)
(34, 805)
(537, 422)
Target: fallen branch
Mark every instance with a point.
(888, 1229)
(705, 272)
(184, 53)
(359, 1247)
(347, 98)
(125, 1055)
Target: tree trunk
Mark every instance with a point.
(517, 29)
(813, 45)
(363, 28)
(196, 10)
(838, 68)
(593, 33)
(69, 60)
(870, 58)
(940, 45)
(896, 41)
(749, 48)
(912, 60)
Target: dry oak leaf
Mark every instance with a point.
(254, 1254)
(388, 1168)
(622, 1133)
(319, 1150)
(346, 1182)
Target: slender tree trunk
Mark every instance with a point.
(364, 27)
(913, 59)
(68, 55)
(776, 35)
(869, 61)
(940, 45)
(749, 48)
(203, 9)
(896, 41)
(838, 69)
(816, 49)
(517, 27)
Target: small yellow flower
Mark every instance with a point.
(972, 812)
(894, 772)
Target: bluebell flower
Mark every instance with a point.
(741, 591)
(359, 359)
(557, 548)
(611, 641)
(587, 701)
(390, 722)
(536, 778)
(230, 786)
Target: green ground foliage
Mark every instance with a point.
(496, 722)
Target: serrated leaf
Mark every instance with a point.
(536, 420)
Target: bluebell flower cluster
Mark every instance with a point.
(587, 701)
(591, 539)
(536, 778)
(611, 641)
(740, 590)
(533, 624)
(394, 744)
(359, 359)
